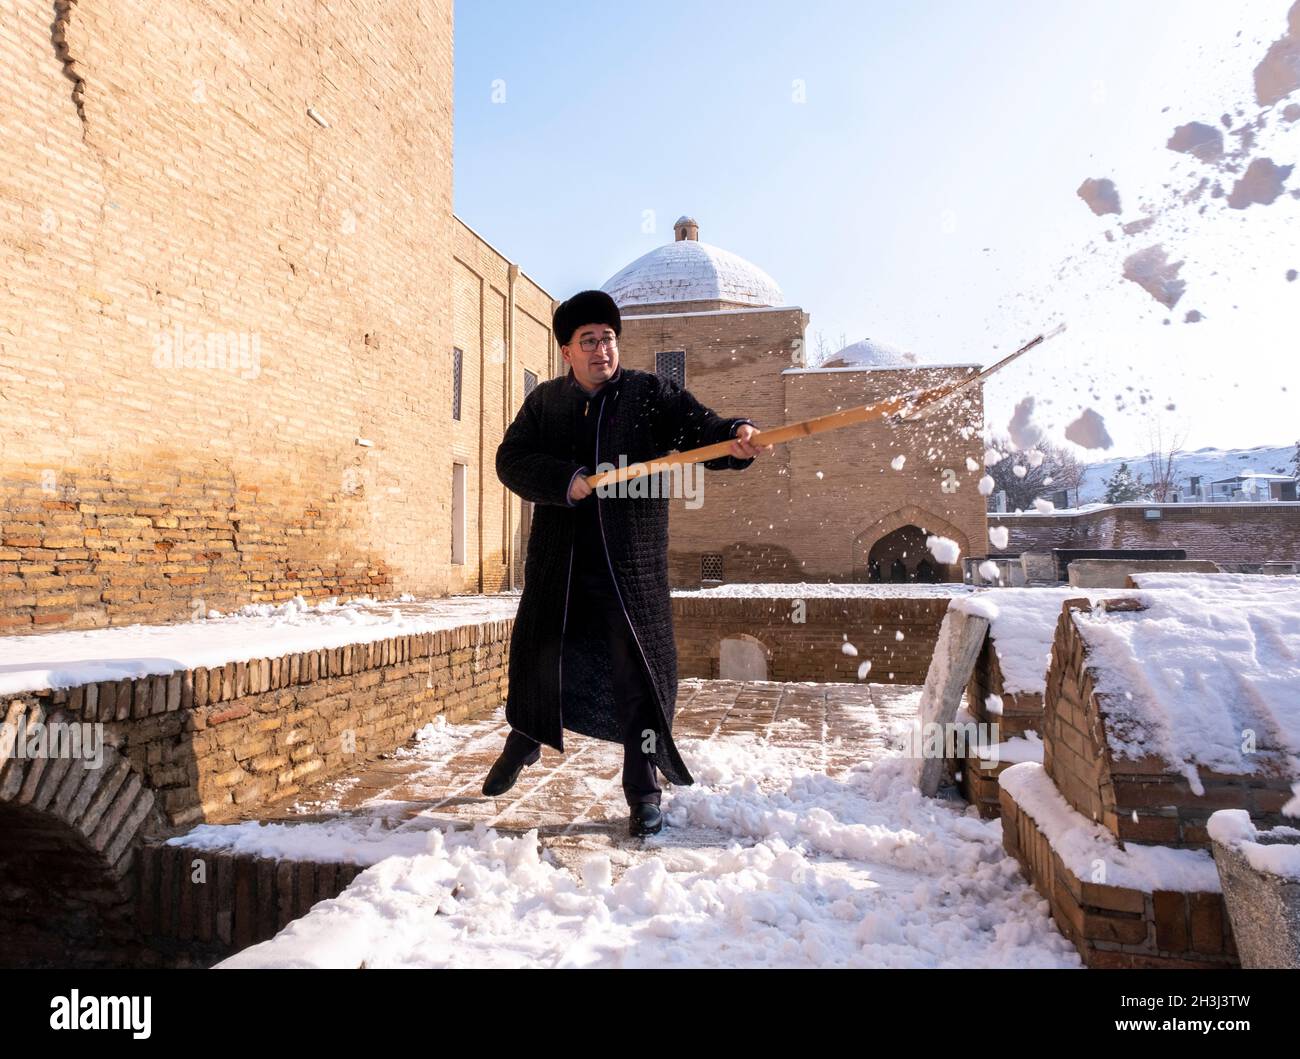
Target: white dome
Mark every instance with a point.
(870, 353)
(688, 271)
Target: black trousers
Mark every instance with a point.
(593, 591)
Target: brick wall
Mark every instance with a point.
(502, 324)
(777, 520)
(168, 206)
(195, 907)
(206, 745)
(1230, 532)
(1115, 926)
(812, 649)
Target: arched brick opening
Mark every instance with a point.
(740, 656)
(908, 525)
(68, 841)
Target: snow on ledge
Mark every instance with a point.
(68, 659)
(1200, 666)
(1022, 626)
(1233, 828)
(1082, 843)
(826, 590)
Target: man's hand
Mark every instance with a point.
(579, 488)
(744, 445)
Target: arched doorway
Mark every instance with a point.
(900, 556)
(894, 551)
(742, 657)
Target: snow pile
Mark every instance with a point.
(1016, 749)
(1082, 844)
(68, 659)
(1022, 626)
(1234, 828)
(766, 861)
(1206, 676)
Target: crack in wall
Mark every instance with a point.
(59, 35)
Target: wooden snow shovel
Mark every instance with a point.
(904, 406)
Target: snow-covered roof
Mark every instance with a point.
(1254, 474)
(1022, 626)
(1207, 658)
(687, 271)
(970, 368)
(871, 353)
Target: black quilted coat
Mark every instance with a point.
(643, 416)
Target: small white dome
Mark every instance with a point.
(687, 271)
(869, 353)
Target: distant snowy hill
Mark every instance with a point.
(1211, 463)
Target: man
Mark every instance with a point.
(593, 650)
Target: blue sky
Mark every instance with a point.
(922, 193)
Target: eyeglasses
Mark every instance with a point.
(591, 344)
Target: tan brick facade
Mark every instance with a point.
(230, 286)
(779, 521)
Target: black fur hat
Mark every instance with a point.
(585, 307)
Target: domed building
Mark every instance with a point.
(870, 354)
(687, 272)
(830, 507)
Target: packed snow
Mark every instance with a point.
(1022, 626)
(767, 861)
(68, 659)
(1028, 747)
(897, 462)
(1235, 829)
(1205, 676)
(999, 536)
(1083, 844)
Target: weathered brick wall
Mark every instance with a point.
(204, 745)
(195, 907)
(777, 520)
(213, 742)
(1074, 745)
(1230, 532)
(207, 298)
(1022, 711)
(1115, 926)
(812, 649)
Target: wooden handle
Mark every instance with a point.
(907, 404)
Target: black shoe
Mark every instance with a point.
(644, 818)
(504, 772)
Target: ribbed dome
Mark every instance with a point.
(870, 353)
(688, 271)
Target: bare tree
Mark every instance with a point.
(1057, 469)
(1160, 462)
